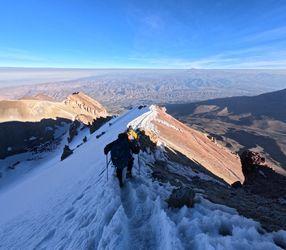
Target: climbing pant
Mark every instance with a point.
(119, 171)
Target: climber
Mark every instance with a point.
(121, 152)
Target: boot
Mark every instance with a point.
(129, 168)
(119, 176)
(129, 174)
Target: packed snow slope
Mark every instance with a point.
(75, 106)
(71, 205)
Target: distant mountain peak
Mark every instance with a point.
(38, 107)
(84, 105)
(40, 97)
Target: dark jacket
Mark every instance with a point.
(121, 150)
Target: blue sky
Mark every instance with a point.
(143, 34)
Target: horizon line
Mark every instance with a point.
(126, 68)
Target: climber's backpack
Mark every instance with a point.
(120, 153)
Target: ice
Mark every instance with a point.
(67, 205)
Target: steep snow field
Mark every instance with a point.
(31, 163)
(71, 205)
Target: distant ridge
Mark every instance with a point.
(40, 96)
(272, 104)
(243, 122)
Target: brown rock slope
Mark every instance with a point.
(193, 144)
(76, 106)
(85, 106)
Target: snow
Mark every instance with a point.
(144, 120)
(189, 173)
(30, 163)
(69, 206)
(167, 124)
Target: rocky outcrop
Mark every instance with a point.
(180, 197)
(96, 124)
(250, 160)
(66, 152)
(86, 107)
(261, 179)
(73, 130)
(236, 184)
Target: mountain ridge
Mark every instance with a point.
(193, 144)
(120, 89)
(266, 104)
(75, 106)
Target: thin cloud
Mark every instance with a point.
(256, 57)
(153, 21)
(268, 35)
(18, 55)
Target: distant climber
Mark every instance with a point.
(121, 152)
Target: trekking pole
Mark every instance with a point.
(107, 163)
(139, 165)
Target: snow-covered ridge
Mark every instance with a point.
(71, 205)
(195, 145)
(144, 121)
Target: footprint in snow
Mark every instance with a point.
(46, 238)
(69, 210)
(87, 188)
(78, 198)
(87, 220)
(70, 216)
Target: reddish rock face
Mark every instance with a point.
(180, 197)
(195, 145)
